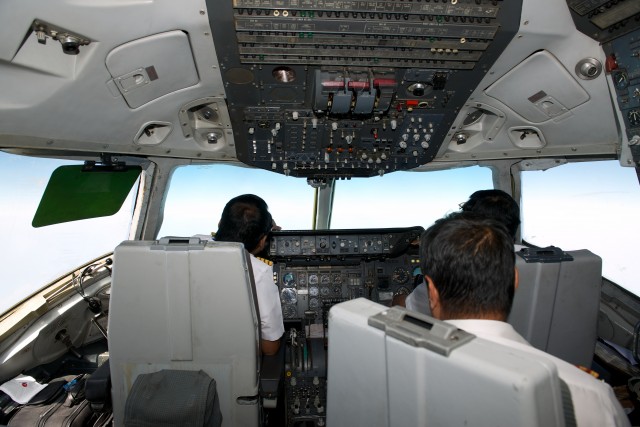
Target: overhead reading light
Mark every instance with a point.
(69, 40)
(588, 68)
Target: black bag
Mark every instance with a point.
(173, 398)
(7, 407)
(61, 403)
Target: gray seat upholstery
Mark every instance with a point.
(556, 306)
(394, 367)
(187, 305)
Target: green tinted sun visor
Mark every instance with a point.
(73, 193)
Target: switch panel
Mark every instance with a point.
(325, 89)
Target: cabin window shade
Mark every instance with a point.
(73, 194)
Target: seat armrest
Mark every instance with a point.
(271, 376)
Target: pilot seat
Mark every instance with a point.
(556, 305)
(182, 304)
(394, 367)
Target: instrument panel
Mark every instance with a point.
(623, 64)
(317, 269)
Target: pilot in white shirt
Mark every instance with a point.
(246, 219)
(418, 299)
(271, 323)
(594, 402)
(469, 268)
(493, 204)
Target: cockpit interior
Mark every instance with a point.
(321, 92)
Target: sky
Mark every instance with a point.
(576, 206)
(31, 257)
(587, 206)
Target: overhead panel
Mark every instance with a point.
(345, 89)
(605, 20)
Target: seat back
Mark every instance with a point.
(393, 367)
(556, 305)
(187, 305)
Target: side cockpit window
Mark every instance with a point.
(589, 205)
(37, 252)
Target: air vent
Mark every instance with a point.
(480, 123)
(527, 137)
(153, 133)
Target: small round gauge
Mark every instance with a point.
(289, 296)
(400, 276)
(289, 311)
(337, 290)
(313, 279)
(313, 291)
(325, 279)
(289, 280)
(313, 303)
(302, 279)
(324, 291)
(337, 279)
(634, 118)
(621, 79)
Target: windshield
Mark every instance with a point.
(591, 205)
(576, 206)
(404, 199)
(32, 257)
(588, 205)
(197, 194)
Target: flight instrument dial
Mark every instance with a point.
(621, 79)
(289, 280)
(289, 311)
(289, 296)
(400, 276)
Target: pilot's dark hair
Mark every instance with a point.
(495, 204)
(471, 262)
(245, 219)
